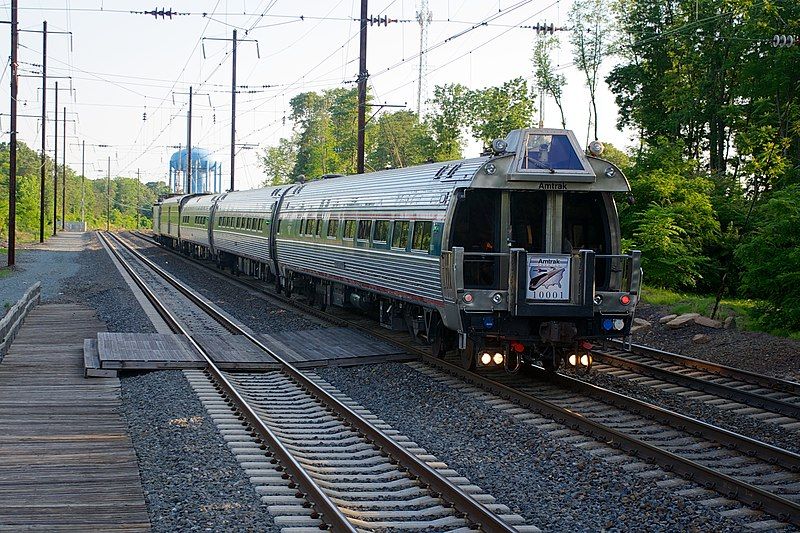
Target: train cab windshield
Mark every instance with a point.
(550, 152)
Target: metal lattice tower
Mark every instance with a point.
(424, 17)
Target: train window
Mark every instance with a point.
(302, 229)
(318, 227)
(349, 229)
(333, 228)
(364, 229)
(550, 152)
(421, 239)
(381, 231)
(528, 220)
(260, 224)
(476, 228)
(238, 222)
(400, 234)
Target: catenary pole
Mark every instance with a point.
(233, 114)
(138, 199)
(362, 88)
(189, 147)
(55, 171)
(12, 158)
(64, 172)
(42, 171)
(108, 196)
(83, 184)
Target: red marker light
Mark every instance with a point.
(624, 299)
(518, 347)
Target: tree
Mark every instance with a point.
(589, 37)
(547, 81)
(447, 121)
(494, 111)
(403, 141)
(279, 161)
(770, 259)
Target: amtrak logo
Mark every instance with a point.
(548, 277)
(545, 278)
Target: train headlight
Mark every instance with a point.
(499, 146)
(586, 359)
(573, 359)
(486, 358)
(497, 297)
(498, 358)
(490, 168)
(596, 148)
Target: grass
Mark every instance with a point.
(679, 303)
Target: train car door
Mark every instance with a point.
(477, 229)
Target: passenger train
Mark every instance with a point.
(510, 258)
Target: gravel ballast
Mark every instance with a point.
(553, 485)
(252, 310)
(191, 480)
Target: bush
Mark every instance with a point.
(770, 260)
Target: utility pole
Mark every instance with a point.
(83, 185)
(12, 159)
(233, 95)
(108, 196)
(55, 172)
(233, 113)
(362, 88)
(44, 133)
(138, 199)
(189, 147)
(64, 173)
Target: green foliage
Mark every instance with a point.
(279, 161)
(404, 141)
(547, 80)
(446, 121)
(770, 258)
(673, 222)
(91, 192)
(494, 111)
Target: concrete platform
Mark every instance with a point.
(66, 459)
(305, 349)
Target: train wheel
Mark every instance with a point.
(438, 340)
(467, 356)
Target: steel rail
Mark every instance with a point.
(328, 510)
(746, 493)
(463, 502)
(723, 391)
(752, 378)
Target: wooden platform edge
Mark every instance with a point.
(91, 361)
(12, 321)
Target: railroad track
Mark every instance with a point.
(759, 475)
(764, 398)
(319, 461)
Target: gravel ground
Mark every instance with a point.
(49, 267)
(756, 352)
(98, 284)
(763, 431)
(259, 315)
(191, 480)
(555, 487)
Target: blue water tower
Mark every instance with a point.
(206, 173)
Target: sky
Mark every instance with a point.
(115, 66)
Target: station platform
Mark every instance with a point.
(112, 352)
(66, 459)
